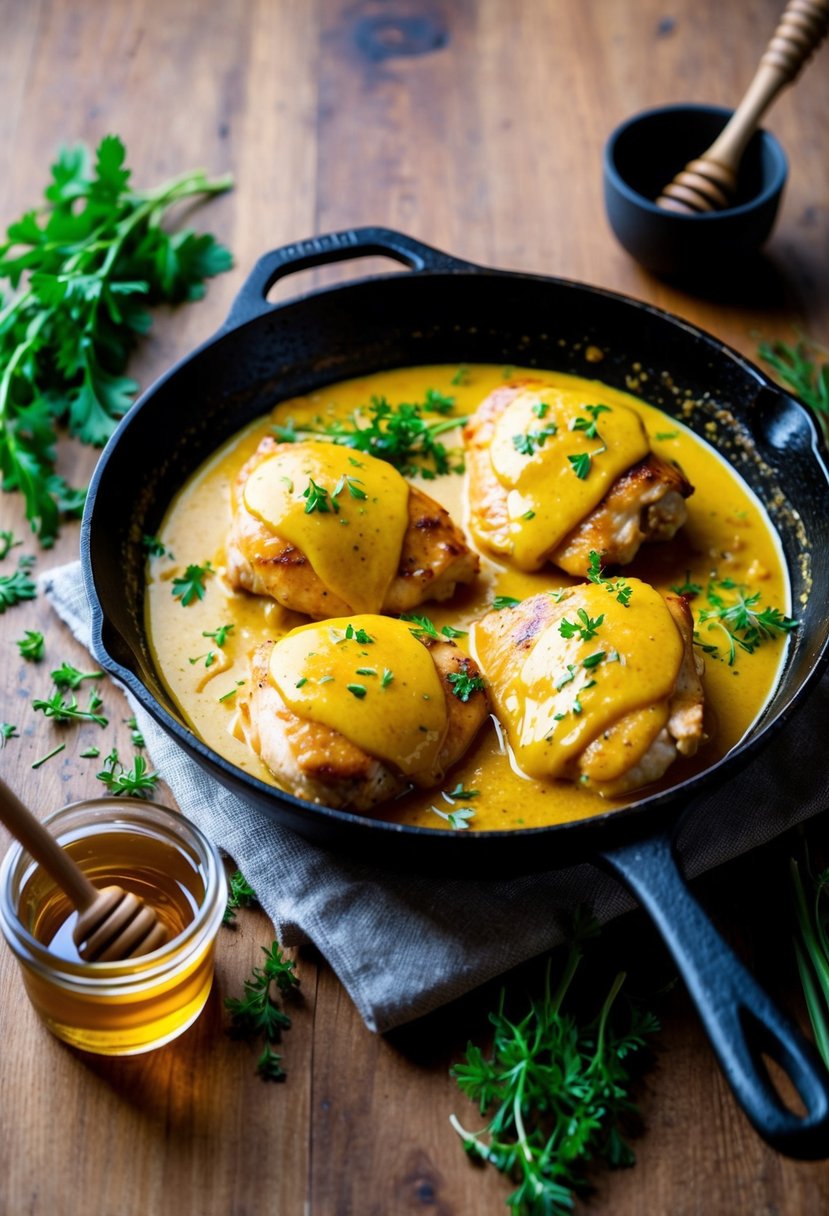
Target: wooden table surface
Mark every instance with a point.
(476, 125)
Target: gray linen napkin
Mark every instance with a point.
(404, 944)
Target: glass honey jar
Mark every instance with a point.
(118, 1008)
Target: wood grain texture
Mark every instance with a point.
(475, 125)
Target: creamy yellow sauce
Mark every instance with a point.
(536, 440)
(629, 665)
(370, 679)
(727, 536)
(347, 514)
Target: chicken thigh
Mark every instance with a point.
(324, 532)
(353, 712)
(552, 478)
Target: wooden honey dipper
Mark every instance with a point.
(709, 183)
(113, 924)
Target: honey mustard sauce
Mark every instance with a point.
(727, 540)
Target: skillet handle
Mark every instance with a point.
(252, 299)
(739, 1017)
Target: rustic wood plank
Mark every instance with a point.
(476, 125)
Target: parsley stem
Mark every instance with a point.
(43, 759)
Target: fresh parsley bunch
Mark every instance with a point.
(83, 270)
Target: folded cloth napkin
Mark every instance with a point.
(404, 944)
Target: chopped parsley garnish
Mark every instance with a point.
(461, 376)
(240, 895)
(567, 678)
(586, 627)
(580, 464)
(449, 631)
(593, 660)
(615, 586)
(687, 588)
(352, 484)
(14, 588)
(590, 425)
(739, 617)
(7, 731)
(67, 676)
(527, 444)
(660, 435)
(7, 543)
(90, 753)
(32, 646)
(137, 782)
(135, 733)
(504, 601)
(460, 792)
(366, 671)
(357, 690)
(458, 818)
(54, 752)
(387, 678)
(219, 635)
(69, 711)
(232, 692)
(155, 547)
(360, 636)
(318, 499)
(541, 409)
(399, 434)
(425, 628)
(189, 586)
(464, 685)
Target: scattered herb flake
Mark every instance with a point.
(190, 586)
(32, 646)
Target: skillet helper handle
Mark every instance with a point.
(252, 299)
(739, 1017)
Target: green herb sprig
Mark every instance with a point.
(240, 895)
(401, 434)
(135, 782)
(258, 1015)
(737, 615)
(85, 268)
(557, 1092)
(804, 367)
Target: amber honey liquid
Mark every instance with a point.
(130, 1006)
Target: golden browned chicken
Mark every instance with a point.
(553, 477)
(354, 711)
(598, 684)
(325, 531)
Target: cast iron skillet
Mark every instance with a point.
(443, 310)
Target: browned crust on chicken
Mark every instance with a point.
(434, 557)
(321, 765)
(644, 504)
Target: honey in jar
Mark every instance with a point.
(118, 1008)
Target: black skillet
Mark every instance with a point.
(443, 310)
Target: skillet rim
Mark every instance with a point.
(320, 823)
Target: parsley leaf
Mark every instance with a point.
(464, 685)
(136, 782)
(93, 260)
(740, 618)
(7, 731)
(240, 895)
(189, 586)
(67, 676)
(556, 1087)
(257, 1015)
(399, 434)
(32, 646)
(69, 711)
(426, 628)
(14, 588)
